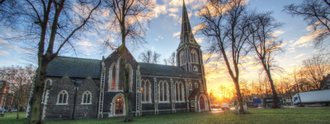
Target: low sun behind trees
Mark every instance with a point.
(20, 81)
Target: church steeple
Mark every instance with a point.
(186, 32)
(189, 54)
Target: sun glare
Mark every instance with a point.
(220, 96)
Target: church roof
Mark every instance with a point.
(164, 70)
(74, 67)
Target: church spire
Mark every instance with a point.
(185, 27)
(186, 32)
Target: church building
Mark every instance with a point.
(77, 88)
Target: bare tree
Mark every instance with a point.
(317, 13)
(130, 18)
(149, 57)
(314, 69)
(171, 59)
(146, 56)
(265, 44)
(156, 57)
(55, 24)
(224, 26)
(20, 80)
(165, 61)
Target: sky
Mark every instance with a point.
(163, 37)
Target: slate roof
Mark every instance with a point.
(74, 67)
(164, 70)
(193, 94)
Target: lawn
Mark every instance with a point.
(304, 115)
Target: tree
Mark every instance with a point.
(146, 56)
(156, 57)
(317, 13)
(171, 59)
(55, 24)
(314, 69)
(265, 44)
(20, 80)
(130, 17)
(224, 26)
(149, 57)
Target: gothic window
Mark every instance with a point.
(195, 69)
(112, 76)
(142, 90)
(87, 98)
(119, 106)
(62, 98)
(130, 76)
(163, 91)
(193, 56)
(145, 89)
(179, 91)
(181, 58)
(48, 82)
(119, 83)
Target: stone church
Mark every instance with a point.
(77, 88)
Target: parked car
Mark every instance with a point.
(215, 106)
(14, 110)
(224, 106)
(5, 110)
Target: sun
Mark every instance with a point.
(220, 96)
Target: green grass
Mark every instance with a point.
(304, 115)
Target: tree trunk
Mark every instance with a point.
(35, 117)
(239, 97)
(17, 105)
(275, 99)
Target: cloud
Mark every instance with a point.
(160, 37)
(156, 39)
(176, 17)
(177, 34)
(299, 55)
(198, 27)
(173, 10)
(84, 43)
(4, 53)
(159, 9)
(199, 40)
(277, 33)
(3, 41)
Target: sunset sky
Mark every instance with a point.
(163, 38)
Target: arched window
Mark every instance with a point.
(48, 82)
(145, 89)
(179, 88)
(62, 98)
(193, 56)
(119, 83)
(86, 98)
(142, 90)
(163, 91)
(130, 77)
(182, 92)
(119, 106)
(182, 58)
(112, 76)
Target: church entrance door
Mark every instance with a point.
(119, 106)
(202, 103)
